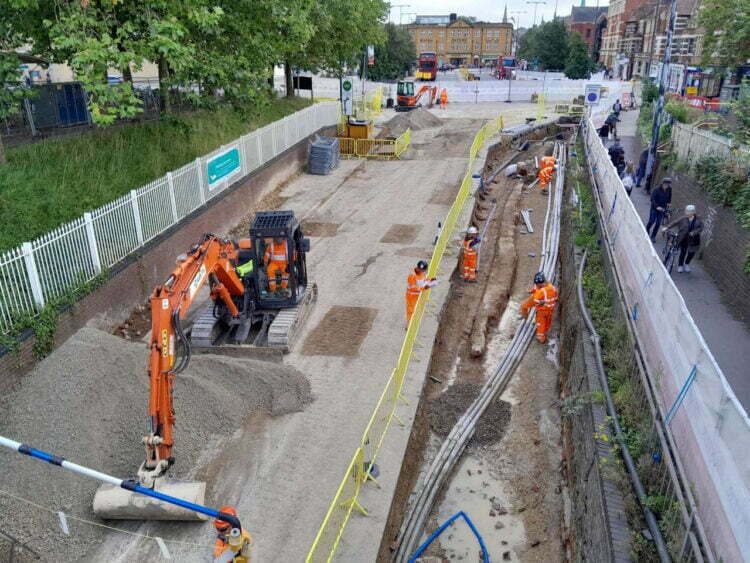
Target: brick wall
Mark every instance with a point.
(724, 243)
(132, 281)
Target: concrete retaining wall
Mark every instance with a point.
(725, 243)
(133, 280)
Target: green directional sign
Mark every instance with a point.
(223, 166)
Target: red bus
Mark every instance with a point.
(427, 69)
(505, 66)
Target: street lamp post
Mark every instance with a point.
(535, 2)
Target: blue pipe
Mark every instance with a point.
(436, 533)
(127, 484)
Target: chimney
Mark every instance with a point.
(453, 17)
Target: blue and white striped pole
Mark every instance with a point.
(127, 484)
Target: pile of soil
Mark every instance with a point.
(88, 402)
(416, 120)
(450, 405)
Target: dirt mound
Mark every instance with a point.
(452, 404)
(88, 402)
(416, 120)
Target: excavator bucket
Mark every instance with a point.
(115, 503)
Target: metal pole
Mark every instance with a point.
(659, 106)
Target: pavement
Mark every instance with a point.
(281, 473)
(727, 337)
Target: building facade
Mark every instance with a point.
(585, 20)
(460, 42)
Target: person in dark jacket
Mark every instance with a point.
(689, 230)
(642, 162)
(661, 197)
(617, 156)
(612, 120)
(604, 132)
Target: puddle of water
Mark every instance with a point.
(499, 341)
(482, 498)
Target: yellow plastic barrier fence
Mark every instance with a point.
(345, 500)
(384, 149)
(540, 107)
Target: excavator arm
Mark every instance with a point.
(431, 90)
(213, 261)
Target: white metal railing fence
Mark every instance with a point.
(709, 426)
(691, 143)
(42, 270)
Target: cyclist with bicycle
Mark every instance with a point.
(688, 238)
(661, 197)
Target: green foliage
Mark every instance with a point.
(726, 39)
(546, 43)
(650, 91)
(678, 110)
(573, 405)
(44, 324)
(393, 58)
(741, 111)
(726, 184)
(578, 64)
(42, 187)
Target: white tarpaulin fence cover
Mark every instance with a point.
(42, 270)
(709, 426)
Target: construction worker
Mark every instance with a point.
(545, 177)
(547, 161)
(469, 260)
(544, 300)
(416, 283)
(276, 261)
(227, 549)
(443, 98)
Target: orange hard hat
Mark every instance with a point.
(221, 525)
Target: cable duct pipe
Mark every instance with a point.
(453, 446)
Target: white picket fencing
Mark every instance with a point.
(48, 267)
(709, 426)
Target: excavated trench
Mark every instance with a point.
(477, 323)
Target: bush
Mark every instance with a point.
(678, 110)
(650, 91)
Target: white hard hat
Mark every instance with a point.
(690, 209)
(472, 230)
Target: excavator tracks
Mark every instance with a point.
(285, 326)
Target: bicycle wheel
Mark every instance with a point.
(669, 261)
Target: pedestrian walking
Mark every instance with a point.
(689, 230)
(416, 283)
(628, 177)
(617, 156)
(544, 300)
(661, 197)
(642, 162)
(617, 108)
(469, 257)
(612, 121)
(604, 132)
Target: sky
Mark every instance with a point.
(488, 10)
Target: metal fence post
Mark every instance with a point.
(137, 216)
(199, 168)
(172, 200)
(33, 273)
(93, 248)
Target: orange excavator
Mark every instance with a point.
(240, 301)
(407, 100)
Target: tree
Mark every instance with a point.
(546, 43)
(552, 45)
(726, 41)
(395, 56)
(578, 64)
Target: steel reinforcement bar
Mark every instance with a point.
(454, 445)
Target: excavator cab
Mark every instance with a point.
(407, 99)
(279, 250)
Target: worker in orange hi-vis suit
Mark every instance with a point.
(547, 161)
(469, 259)
(223, 548)
(544, 300)
(545, 177)
(416, 283)
(443, 98)
(276, 260)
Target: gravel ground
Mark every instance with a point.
(453, 402)
(88, 402)
(416, 120)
